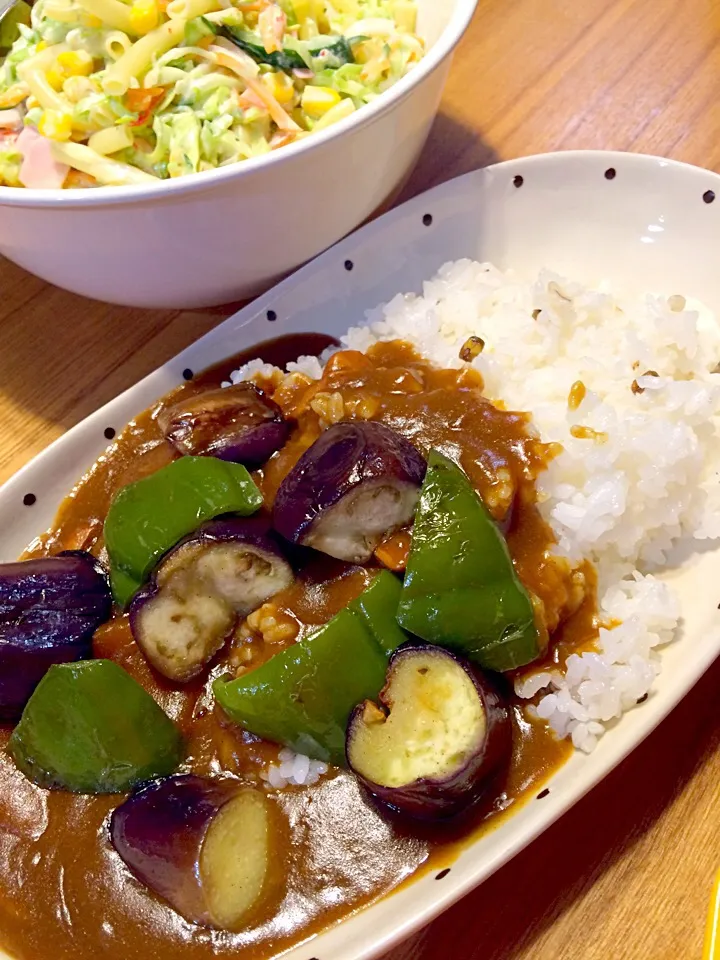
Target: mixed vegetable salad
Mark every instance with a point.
(97, 92)
(400, 687)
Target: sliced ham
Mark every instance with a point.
(11, 119)
(39, 169)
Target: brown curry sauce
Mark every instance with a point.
(64, 893)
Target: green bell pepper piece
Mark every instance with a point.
(148, 517)
(90, 728)
(123, 586)
(461, 590)
(304, 695)
(378, 605)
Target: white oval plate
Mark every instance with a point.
(650, 225)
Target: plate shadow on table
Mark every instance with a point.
(512, 911)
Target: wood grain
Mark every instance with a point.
(627, 874)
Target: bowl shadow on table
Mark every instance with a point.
(450, 150)
(511, 912)
(108, 348)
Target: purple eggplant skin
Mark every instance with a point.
(359, 481)
(237, 423)
(185, 613)
(206, 845)
(158, 833)
(438, 799)
(49, 611)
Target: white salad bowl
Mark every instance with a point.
(226, 234)
(640, 222)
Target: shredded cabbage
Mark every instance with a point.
(220, 94)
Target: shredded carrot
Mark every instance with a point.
(139, 99)
(394, 551)
(77, 179)
(143, 100)
(248, 98)
(281, 140)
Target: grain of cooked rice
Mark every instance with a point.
(638, 469)
(293, 769)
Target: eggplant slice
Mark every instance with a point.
(237, 423)
(356, 484)
(439, 735)
(204, 845)
(49, 611)
(223, 571)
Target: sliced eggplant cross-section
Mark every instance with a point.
(358, 482)
(223, 571)
(205, 845)
(438, 735)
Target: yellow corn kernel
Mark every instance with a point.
(55, 125)
(280, 86)
(144, 16)
(336, 113)
(316, 101)
(41, 46)
(90, 20)
(54, 78)
(32, 102)
(301, 9)
(75, 63)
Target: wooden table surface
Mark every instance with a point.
(627, 874)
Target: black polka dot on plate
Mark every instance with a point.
(187, 374)
(610, 173)
(29, 499)
(443, 873)
(518, 181)
(109, 433)
(271, 315)
(349, 264)
(543, 793)
(709, 196)
(427, 219)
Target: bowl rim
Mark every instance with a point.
(443, 47)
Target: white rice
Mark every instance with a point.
(294, 768)
(621, 503)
